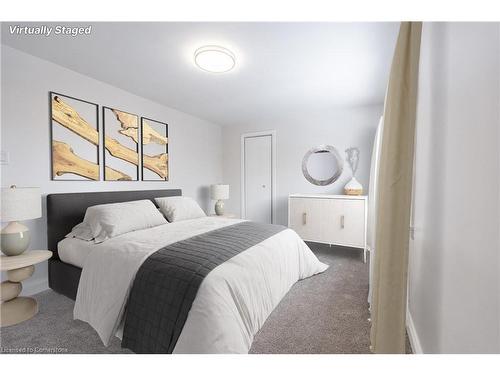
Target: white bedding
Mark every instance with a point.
(75, 251)
(232, 303)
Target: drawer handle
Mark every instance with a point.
(304, 218)
(342, 221)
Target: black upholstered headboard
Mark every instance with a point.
(66, 210)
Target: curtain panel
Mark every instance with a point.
(390, 266)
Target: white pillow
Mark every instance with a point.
(110, 220)
(81, 231)
(179, 208)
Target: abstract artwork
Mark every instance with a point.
(154, 143)
(121, 145)
(75, 140)
(74, 126)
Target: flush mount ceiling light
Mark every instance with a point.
(214, 59)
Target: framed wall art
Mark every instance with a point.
(74, 130)
(121, 145)
(154, 145)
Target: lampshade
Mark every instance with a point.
(219, 191)
(20, 203)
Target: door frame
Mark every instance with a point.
(271, 133)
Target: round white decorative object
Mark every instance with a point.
(322, 165)
(353, 187)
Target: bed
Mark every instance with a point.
(66, 210)
(227, 308)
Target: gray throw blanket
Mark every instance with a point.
(167, 283)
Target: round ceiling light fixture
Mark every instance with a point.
(214, 59)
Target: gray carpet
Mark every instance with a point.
(326, 313)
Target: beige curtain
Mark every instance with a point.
(394, 195)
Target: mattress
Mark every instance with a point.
(75, 251)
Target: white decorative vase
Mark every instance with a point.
(353, 187)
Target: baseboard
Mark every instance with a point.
(34, 286)
(412, 334)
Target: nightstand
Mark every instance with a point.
(16, 309)
(226, 216)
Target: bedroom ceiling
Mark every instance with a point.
(282, 68)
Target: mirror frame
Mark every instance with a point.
(325, 148)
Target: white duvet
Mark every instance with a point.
(233, 300)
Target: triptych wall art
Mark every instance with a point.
(131, 144)
(121, 145)
(154, 150)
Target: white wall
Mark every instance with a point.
(454, 285)
(194, 149)
(296, 134)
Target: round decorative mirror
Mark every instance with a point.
(322, 165)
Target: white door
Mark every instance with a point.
(257, 174)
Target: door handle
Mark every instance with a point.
(342, 221)
(304, 218)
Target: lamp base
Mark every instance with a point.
(219, 207)
(14, 239)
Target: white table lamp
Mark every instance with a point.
(219, 192)
(18, 204)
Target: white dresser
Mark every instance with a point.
(332, 219)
